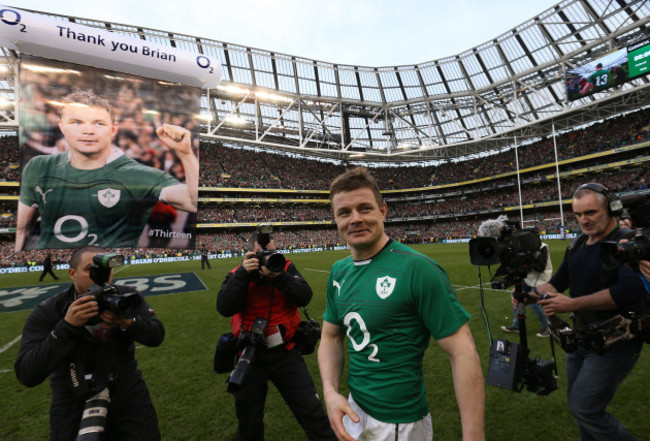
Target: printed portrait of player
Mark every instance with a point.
(107, 159)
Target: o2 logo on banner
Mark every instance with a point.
(51, 38)
(11, 18)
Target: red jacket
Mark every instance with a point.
(246, 296)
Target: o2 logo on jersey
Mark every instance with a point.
(82, 229)
(365, 341)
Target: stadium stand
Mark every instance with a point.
(433, 194)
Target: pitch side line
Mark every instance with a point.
(10, 344)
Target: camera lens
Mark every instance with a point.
(275, 262)
(486, 250)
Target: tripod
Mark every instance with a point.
(520, 297)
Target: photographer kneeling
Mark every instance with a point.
(264, 301)
(87, 350)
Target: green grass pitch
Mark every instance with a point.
(192, 402)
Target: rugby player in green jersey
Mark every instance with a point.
(387, 300)
(597, 81)
(94, 194)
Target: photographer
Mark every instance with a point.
(252, 291)
(83, 359)
(596, 294)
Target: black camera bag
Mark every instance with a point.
(307, 335)
(224, 356)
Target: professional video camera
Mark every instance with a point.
(638, 245)
(108, 297)
(519, 251)
(269, 258)
(250, 341)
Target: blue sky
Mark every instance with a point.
(359, 32)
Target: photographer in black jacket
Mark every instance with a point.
(597, 294)
(252, 291)
(85, 351)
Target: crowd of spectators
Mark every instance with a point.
(253, 168)
(9, 158)
(412, 217)
(224, 242)
(257, 213)
(461, 203)
(223, 166)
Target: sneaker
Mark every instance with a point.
(544, 332)
(510, 329)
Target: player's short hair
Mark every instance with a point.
(87, 98)
(355, 179)
(75, 259)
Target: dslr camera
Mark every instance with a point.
(637, 248)
(251, 341)
(271, 259)
(108, 297)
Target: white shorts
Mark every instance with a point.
(370, 429)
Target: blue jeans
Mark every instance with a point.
(539, 313)
(592, 382)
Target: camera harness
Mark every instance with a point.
(312, 325)
(600, 336)
(85, 384)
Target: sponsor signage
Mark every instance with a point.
(26, 297)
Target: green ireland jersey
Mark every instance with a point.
(390, 306)
(108, 207)
(599, 78)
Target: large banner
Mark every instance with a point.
(61, 39)
(108, 158)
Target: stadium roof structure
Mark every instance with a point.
(504, 92)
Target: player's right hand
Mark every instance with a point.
(337, 407)
(82, 309)
(176, 138)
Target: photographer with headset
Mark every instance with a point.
(268, 289)
(597, 294)
(89, 355)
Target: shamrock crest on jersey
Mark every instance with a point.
(108, 197)
(385, 286)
